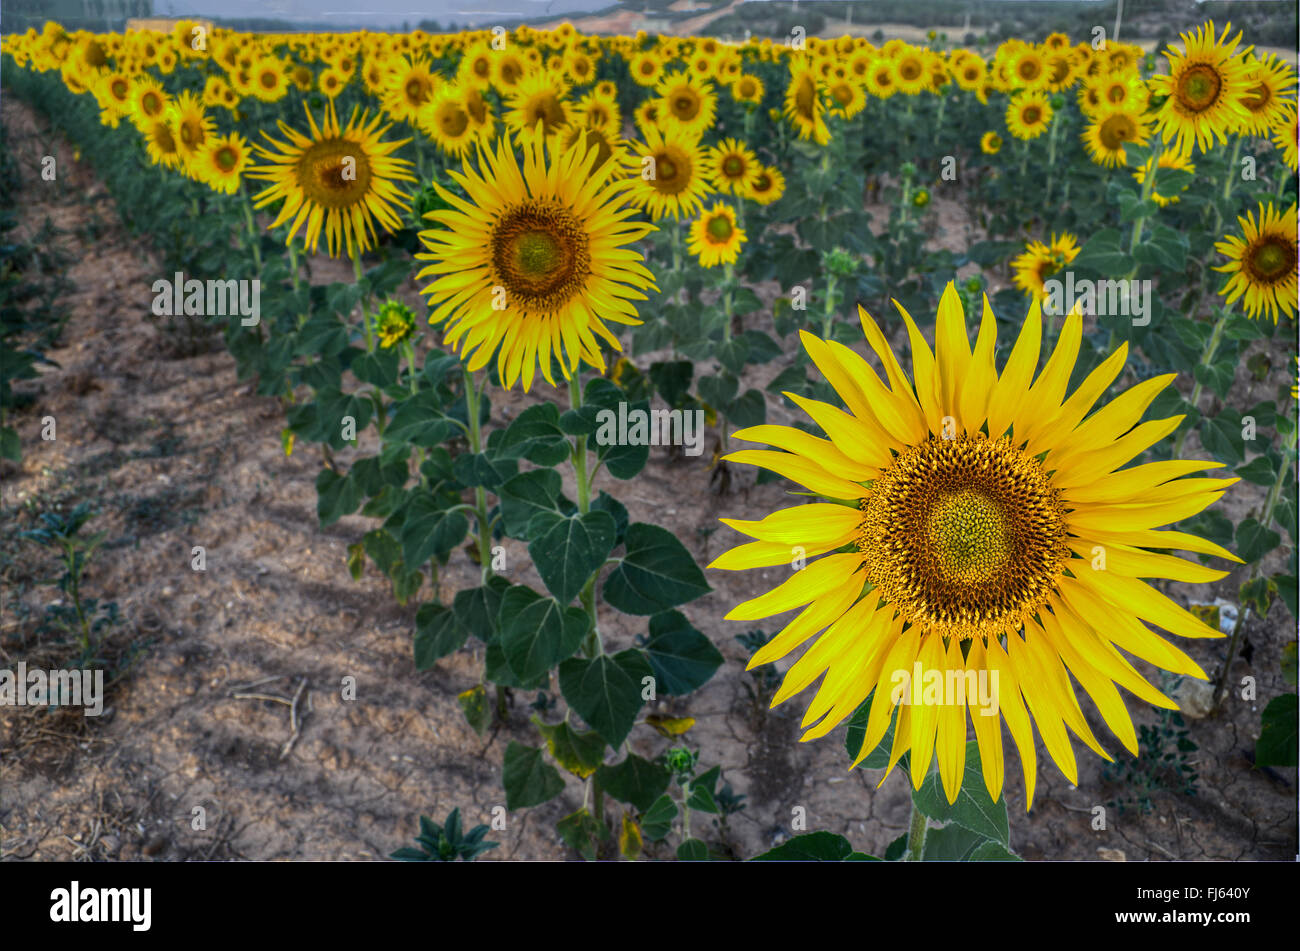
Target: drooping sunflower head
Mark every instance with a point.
(337, 179)
(670, 174)
(160, 142)
(716, 237)
(1106, 134)
(803, 103)
(1286, 136)
(1205, 88)
(1040, 262)
(191, 126)
(535, 266)
(394, 323)
(979, 526)
(1262, 262)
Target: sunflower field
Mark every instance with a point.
(981, 362)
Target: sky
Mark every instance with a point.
(378, 13)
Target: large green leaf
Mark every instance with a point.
(430, 530)
(1276, 745)
(606, 691)
(528, 779)
(974, 809)
(536, 632)
(656, 574)
(635, 780)
(535, 434)
(814, 847)
(437, 634)
(682, 658)
(524, 496)
(579, 753)
(568, 551)
(420, 421)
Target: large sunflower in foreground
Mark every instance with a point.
(1206, 87)
(977, 524)
(336, 179)
(1262, 262)
(533, 263)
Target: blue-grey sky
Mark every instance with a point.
(380, 13)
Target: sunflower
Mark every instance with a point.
(1166, 160)
(882, 79)
(148, 102)
(747, 89)
(445, 119)
(336, 179)
(190, 125)
(476, 67)
(847, 98)
(970, 73)
(270, 79)
(767, 186)
(732, 166)
(534, 261)
(538, 107)
(1262, 262)
(1106, 134)
(715, 237)
(686, 104)
(990, 143)
(1206, 88)
(1272, 82)
(597, 112)
(910, 71)
(803, 104)
(1029, 69)
(160, 143)
(409, 85)
(972, 510)
(1287, 137)
(646, 69)
(674, 181)
(221, 161)
(508, 70)
(1029, 115)
(332, 82)
(1040, 261)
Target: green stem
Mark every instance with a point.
(1266, 519)
(1211, 347)
(473, 396)
(728, 279)
(1232, 168)
(828, 315)
(365, 300)
(591, 644)
(254, 243)
(916, 834)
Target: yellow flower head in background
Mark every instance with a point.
(1041, 261)
(972, 505)
(1106, 134)
(336, 179)
(1028, 115)
(1206, 87)
(533, 262)
(715, 237)
(1166, 160)
(1262, 262)
(990, 143)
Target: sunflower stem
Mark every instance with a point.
(1211, 347)
(591, 644)
(365, 300)
(1051, 156)
(916, 834)
(1266, 519)
(1232, 168)
(253, 243)
(473, 394)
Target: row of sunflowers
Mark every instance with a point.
(562, 197)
